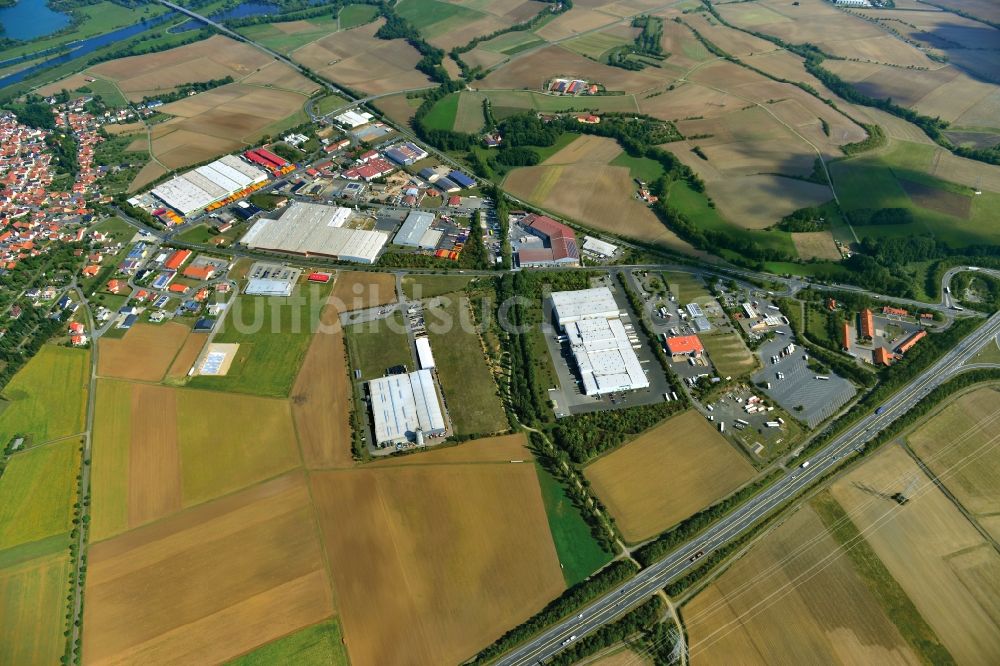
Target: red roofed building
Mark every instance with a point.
(867, 324)
(889, 310)
(178, 288)
(91, 271)
(561, 240)
(175, 260)
(847, 335)
(882, 356)
(76, 328)
(319, 277)
(116, 286)
(912, 340)
(199, 272)
(684, 345)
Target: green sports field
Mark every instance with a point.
(37, 491)
(47, 398)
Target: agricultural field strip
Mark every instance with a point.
(651, 579)
(927, 486)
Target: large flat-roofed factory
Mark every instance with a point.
(405, 408)
(604, 356)
(310, 230)
(199, 188)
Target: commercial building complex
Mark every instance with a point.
(316, 230)
(405, 408)
(560, 241)
(605, 358)
(199, 188)
(416, 231)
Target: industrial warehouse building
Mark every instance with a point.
(201, 187)
(600, 344)
(561, 247)
(406, 153)
(311, 229)
(405, 408)
(573, 306)
(416, 231)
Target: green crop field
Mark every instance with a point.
(46, 399)
(37, 492)
(899, 178)
(273, 334)
(328, 103)
(32, 610)
(466, 380)
(442, 114)
(596, 44)
(695, 206)
(275, 38)
(687, 288)
(352, 16)
(578, 553)
(318, 645)
(433, 18)
(375, 346)
(512, 42)
(110, 458)
(729, 355)
(429, 286)
(509, 102)
(643, 168)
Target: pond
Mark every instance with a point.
(29, 19)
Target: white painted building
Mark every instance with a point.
(405, 408)
(573, 306)
(316, 230)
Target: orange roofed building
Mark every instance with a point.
(882, 356)
(912, 340)
(867, 324)
(847, 335)
(176, 259)
(681, 345)
(899, 312)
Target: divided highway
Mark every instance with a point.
(648, 581)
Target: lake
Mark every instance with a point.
(29, 19)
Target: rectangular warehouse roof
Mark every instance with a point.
(269, 287)
(199, 187)
(403, 405)
(597, 246)
(315, 229)
(604, 356)
(413, 229)
(573, 306)
(424, 354)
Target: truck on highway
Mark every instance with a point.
(804, 465)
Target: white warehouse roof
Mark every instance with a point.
(199, 187)
(605, 357)
(315, 229)
(424, 355)
(413, 229)
(597, 246)
(404, 404)
(353, 118)
(573, 306)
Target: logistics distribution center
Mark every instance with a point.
(200, 188)
(310, 229)
(405, 408)
(604, 356)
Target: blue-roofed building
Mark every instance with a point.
(204, 325)
(128, 321)
(462, 179)
(447, 185)
(64, 302)
(161, 301)
(428, 174)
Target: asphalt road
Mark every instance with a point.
(648, 581)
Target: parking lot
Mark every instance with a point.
(809, 399)
(750, 431)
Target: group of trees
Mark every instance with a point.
(186, 89)
(809, 218)
(635, 621)
(397, 27)
(646, 43)
(586, 436)
(868, 216)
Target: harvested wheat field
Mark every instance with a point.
(144, 354)
(587, 148)
(208, 584)
(213, 58)
(186, 357)
(357, 290)
(150, 172)
(501, 449)
(667, 474)
(816, 245)
(597, 197)
(965, 430)
(357, 59)
(399, 108)
(531, 72)
(573, 23)
(939, 559)
(760, 201)
(158, 449)
(278, 75)
(772, 608)
(321, 398)
(452, 556)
